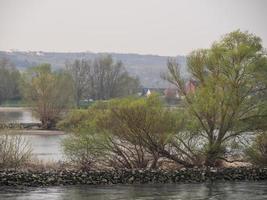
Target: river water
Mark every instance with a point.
(17, 115)
(46, 145)
(211, 191)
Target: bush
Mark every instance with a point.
(257, 152)
(15, 151)
(126, 133)
(140, 130)
(84, 146)
(84, 149)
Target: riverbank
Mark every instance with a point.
(72, 177)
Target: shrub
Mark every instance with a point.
(15, 151)
(84, 149)
(142, 130)
(84, 146)
(257, 152)
(127, 133)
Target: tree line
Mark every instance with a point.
(101, 79)
(50, 92)
(9, 81)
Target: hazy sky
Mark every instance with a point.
(164, 27)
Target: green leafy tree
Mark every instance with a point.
(9, 81)
(49, 93)
(229, 99)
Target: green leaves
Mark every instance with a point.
(231, 90)
(9, 81)
(48, 92)
(257, 152)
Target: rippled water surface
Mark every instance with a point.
(212, 191)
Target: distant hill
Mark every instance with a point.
(147, 67)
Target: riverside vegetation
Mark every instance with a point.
(222, 121)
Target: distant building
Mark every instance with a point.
(190, 86)
(146, 92)
(149, 91)
(171, 93)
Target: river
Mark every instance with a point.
(46, 145)
(17, 115)
(212, 191)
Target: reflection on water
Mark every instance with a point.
(17, 115)
(213, 191)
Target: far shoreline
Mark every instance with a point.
(35, 132)
(39, 132)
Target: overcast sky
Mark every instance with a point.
(164, 27)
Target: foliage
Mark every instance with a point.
(229, 103)
(229, 82)
(126, 133)
(49, 93)
(79, 71)
(84, 149)
(9, 81)
(100, 79)
(138, 129)
(13, 103)
(84, 145)
(257, 152)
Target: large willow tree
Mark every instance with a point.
(230, 99)
(49, 93)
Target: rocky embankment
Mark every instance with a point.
(70, 177)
